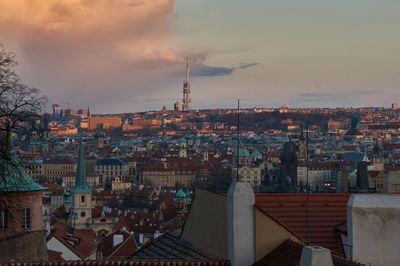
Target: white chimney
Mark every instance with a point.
(117, 239)
(315, 256)
(240, 211)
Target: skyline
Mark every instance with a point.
(315, 54)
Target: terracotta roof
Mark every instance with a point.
(325, 212)
(123, 250)
(354, 132)
(289, 254)
(54, 255)
(79, 241)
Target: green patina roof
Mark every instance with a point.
(14, 178)
(80, 179)
(180, 194)
(255, 153)
(243, 152)
(226, 164)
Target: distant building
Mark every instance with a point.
(109, 169)
(177, 107)
(394, 106)
(56, 111)
(107, 122)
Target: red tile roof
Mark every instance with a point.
(289, 254)
(122, 250)
(54, 255)
(325, 212)
(79, 241)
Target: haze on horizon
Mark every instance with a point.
(128, 55)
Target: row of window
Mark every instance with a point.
(25, 218)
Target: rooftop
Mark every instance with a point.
(325, 212)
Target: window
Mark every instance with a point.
(26, 218)
(3, 219)
(83, 199)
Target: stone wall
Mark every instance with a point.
(29, 246)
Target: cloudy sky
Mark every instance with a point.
(129, 55)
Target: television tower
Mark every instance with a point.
(186, 89)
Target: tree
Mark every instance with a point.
(20, 104)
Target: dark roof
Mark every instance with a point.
(110, 162)
(326, 211)
(170, 246)
(289, 254)
(354, 132)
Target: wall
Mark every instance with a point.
(16, 202)
(373, 228)
(392, 182)
(206, 223)
(56, 245)
(269, 234)
(29, 246)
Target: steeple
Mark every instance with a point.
(80, 180)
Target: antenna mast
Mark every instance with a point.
(186, 89)
(238, 142)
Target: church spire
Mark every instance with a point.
(80, 180)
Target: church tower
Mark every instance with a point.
(81, 210)
(100, 138)
(182, 148)
(302, 147)
(186, 89)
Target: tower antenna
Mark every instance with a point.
(238, 141)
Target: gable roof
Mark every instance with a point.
(325, 212)
(80, 241)
(122, 250)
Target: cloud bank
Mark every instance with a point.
(110, 54)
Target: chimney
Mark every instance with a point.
(240, 211)
(315, 256)
(117, 239)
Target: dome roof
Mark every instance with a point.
(180, 194)
(256, 153)
(15, 177)
(243, 152)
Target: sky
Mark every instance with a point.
(129, 55)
